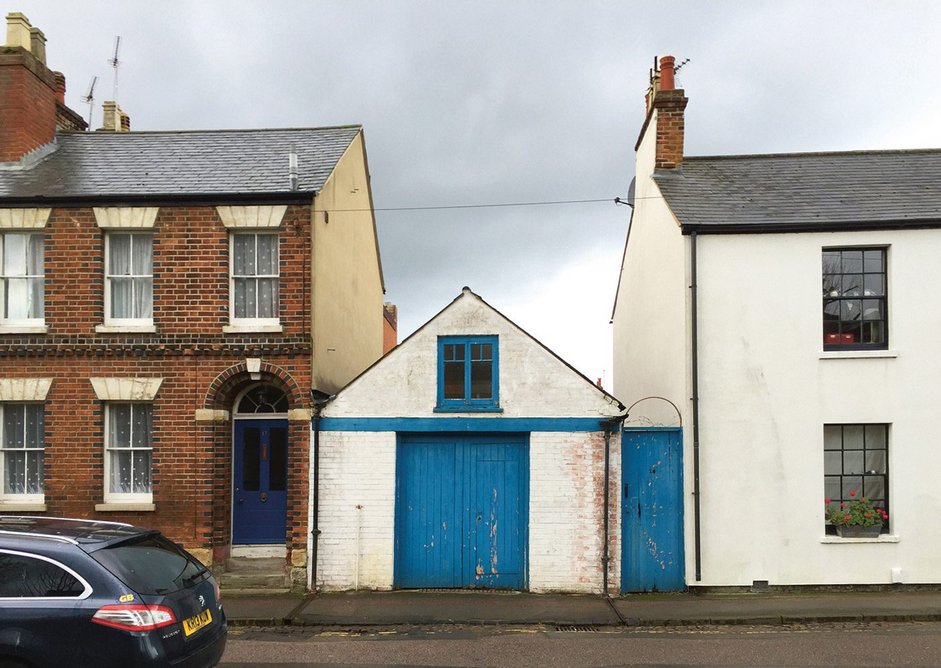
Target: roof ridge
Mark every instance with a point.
(355, 126)
(798, 154)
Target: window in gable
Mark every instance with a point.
(468, 373)
(129, 286)
(854, 299)
(22, 278)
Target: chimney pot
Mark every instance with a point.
(60, 86)
(18, 33)
(37, 44)
(667, 64)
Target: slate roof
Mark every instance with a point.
(805, 191)
(193, 163)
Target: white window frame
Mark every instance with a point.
(127, 324)
(253, 324)
(20, 324)
(126, 497)
(7, 497)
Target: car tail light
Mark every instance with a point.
(134, 617)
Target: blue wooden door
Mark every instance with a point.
(652, 556)
(259, 487)
(461, 511)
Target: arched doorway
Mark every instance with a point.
(260, 466)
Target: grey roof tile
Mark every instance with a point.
(806, 190)
(197, 163)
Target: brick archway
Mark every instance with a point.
(226, 386)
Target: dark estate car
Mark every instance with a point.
(87, 593)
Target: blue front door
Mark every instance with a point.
(259, 488)
(461, 511)
(652, 510)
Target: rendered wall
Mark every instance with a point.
(347, 320)
(650, 320)
(767, 388)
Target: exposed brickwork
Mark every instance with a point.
(670, 106)
(27, 104)
(201, 368)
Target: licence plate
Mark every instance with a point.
(196, 622)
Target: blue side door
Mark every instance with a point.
(461, 511)
(259, 488)
(652, 555)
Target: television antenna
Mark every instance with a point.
(114, 64)
(89, 98)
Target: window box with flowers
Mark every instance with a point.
(858, 518)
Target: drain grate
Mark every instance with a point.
(577, 628)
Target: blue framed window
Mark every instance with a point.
(468, 373)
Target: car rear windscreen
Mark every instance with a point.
(151, 566)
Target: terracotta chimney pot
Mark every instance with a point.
(666, 73)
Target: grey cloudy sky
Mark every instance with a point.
(470, 103)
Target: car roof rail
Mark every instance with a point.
(64, 539)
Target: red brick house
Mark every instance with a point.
(168, 300)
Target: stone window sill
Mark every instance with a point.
(22, 507)
(125, 329)
(122, 507)
(23, 329)
(858, 354)
(252, 329)
(883, 538)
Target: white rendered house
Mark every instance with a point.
(778, 308)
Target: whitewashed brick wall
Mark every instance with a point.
(357, 510)
(566, 512)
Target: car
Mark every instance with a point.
(79, 592)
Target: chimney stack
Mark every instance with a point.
(114, 119)
(33, 96)
(669, 103)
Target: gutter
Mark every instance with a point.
(694, 345)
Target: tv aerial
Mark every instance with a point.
(89, 98)
(114, 62)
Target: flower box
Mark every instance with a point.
(859, 531)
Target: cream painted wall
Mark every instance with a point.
(767, 388)
(650, 342)
(533, 382)
(345, 274)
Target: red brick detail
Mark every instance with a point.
(670, 106)
(27, 104)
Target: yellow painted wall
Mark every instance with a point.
(346, 275)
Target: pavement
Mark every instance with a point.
(431, 608)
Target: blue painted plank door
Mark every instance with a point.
(461, 511)
(652, 555)
(259, 485)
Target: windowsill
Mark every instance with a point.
(121, 506)
(125, 329)
(858, 354)
(250, 329)
(467, 409)
(882, 538)
(23, 329)
(22, 507)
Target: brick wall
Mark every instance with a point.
(201, 367)
(27, 104)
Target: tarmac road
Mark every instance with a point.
(833, 644)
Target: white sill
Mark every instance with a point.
(858, 354)
(125, 329)
(251, 328)
(23, 329)
(121, 506)
(22, 507)
(882, 538)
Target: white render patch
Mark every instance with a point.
(357, 510)
(251, 216)
(126, 217)
(24, 389)
(126, 389)
(566, 512)
(24, 219)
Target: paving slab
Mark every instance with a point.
(777, 608)
(422, 607)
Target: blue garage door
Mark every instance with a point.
(461, 512)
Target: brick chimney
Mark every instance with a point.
(32, 97)
(669, 103)
(390, 326)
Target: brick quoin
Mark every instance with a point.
(201, 368)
